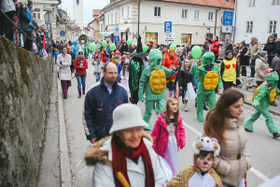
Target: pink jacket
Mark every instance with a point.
(160, 135)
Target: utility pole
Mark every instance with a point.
(138, 16)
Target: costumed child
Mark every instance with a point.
(263, 96)
(97, 68)
(200, 174)
(116, 58)
(125, 78)
(169, 137)
(186, 84)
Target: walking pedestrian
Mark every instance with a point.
(100, 102)
(80, 66)
(69, 51)
(254, 47)
(261, 66)
(125, 79)
(63, 61)
(97, 68)
(225, 123)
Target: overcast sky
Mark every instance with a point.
(88, 5)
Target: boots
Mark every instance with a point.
(84, 92)
(79, 95)
(276, 135)
(185, 107)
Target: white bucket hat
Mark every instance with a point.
(127, 116)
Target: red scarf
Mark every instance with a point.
(120, 152)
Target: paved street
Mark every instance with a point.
(263, 148)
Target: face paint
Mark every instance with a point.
(204, 163)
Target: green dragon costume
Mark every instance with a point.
(209, 79)
(264, 95)
(153, 83)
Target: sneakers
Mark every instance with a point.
(186, 108)
(276, 135)
(79, 95)
(64, 97)
(247, 130)
(205, 107)
(273, 104)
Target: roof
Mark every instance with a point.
(96, 12)
(211, 3)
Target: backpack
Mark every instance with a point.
(272, 93)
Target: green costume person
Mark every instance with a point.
(153, 83)
(263, 96)
(209, 79)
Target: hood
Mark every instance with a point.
(161, 119)
(155, 57)
(171, 57)
(101, 151)
(208, 58)
(75, 43)
(272, 36)
(234, 123)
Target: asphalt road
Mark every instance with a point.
(263, 148)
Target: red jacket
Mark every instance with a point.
(160, 135)
(80, 70)
(103, 57)
(168, 61)
(214, 47)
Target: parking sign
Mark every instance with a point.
(168, 26)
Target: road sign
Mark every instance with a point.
(116, 38)
(227, 18)
(168, 26)
(117, 32)
(62, 33)
(169, 37)
(117, 29)
(49, 17)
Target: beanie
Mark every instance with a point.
(262, 53)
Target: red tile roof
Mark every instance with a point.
(96, 12)
(213, 3)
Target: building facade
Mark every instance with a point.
(259, 18)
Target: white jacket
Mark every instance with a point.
(64, 67)
(103, 174)
(97, 67)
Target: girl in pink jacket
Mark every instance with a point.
(169, 137)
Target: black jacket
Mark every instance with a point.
(185, 77)
(243, 60)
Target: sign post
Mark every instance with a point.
(167, 28)
(116, 34)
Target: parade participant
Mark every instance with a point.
(262, 98)
(120, 68)
(126, 158)
(186, 83)
(229, 70)
(80, 66)
(63, 61)
(215, 46)
(153, 83)
(125, 79)
(169, 136)
(254, 47)
(74, 49)
(124, 48)
(225, 123)
(116, 58)
(136, 68)
(103, 55)
(209, 79)
(201, 173)
(261, 66)
(97, 68)
(169, 61)
(127, 59)
(100, 102)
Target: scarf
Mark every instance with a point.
(120, 152)
(208, 68)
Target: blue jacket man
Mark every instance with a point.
(100, 104)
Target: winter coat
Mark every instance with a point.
(80, 70)
(261, 66)
(243, 60)
(168, 61)
(99, 107)
(253, 50)
(74, 48)
(23, 18)
(64, 63)
(100, 156)
(214, 47)
(103, 57)
(7, 6)
(97, 66)
(185, 77)
(276, 63)
(160, 134)
(270, 47)
(228, 165)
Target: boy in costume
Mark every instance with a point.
(209, 79)
(263, 96)
(153, 83)
(201, 173)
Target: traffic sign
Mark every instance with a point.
(227, 18)
(117, 29)
(49, 17)
(169, 37)
(62, 33)
(116, 38)
(168, 26)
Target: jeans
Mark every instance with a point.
(244, 72)
(252, 66)
(240, 184)
(65, 85)
(81, 80)
(97, 76)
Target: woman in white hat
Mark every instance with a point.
(126, 158)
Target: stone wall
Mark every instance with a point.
(25, 82)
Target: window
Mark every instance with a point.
(127, 13)
(251, 3)
(122, 12)
(116, 17)
(37, 13)
(196, 15)
(185, 13)
(272, 26)
(249, 27)
(186, 38)
(210, 16)
(275, 2)
(151, 36)
(157, 11)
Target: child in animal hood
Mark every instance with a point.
(201, 174)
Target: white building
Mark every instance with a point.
(78, 12)
(258, 18)
(191, 19)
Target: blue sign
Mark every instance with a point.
(168, 26)
(116, 38)
(227, 18)
(62, 33)
(117, 29)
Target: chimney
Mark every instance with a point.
(96, 12)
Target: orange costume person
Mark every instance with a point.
(169, 61)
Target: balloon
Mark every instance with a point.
(113, 47)
(104, 43)
(129, 42)
(26, 2)
(173, 46)
(145, 48)
(196, 52)
(93, 46)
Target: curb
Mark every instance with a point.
(65, 172)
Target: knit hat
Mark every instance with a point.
(81, 52)
(117, 52)
(274, 35)
(127, 116)
(262, 53)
